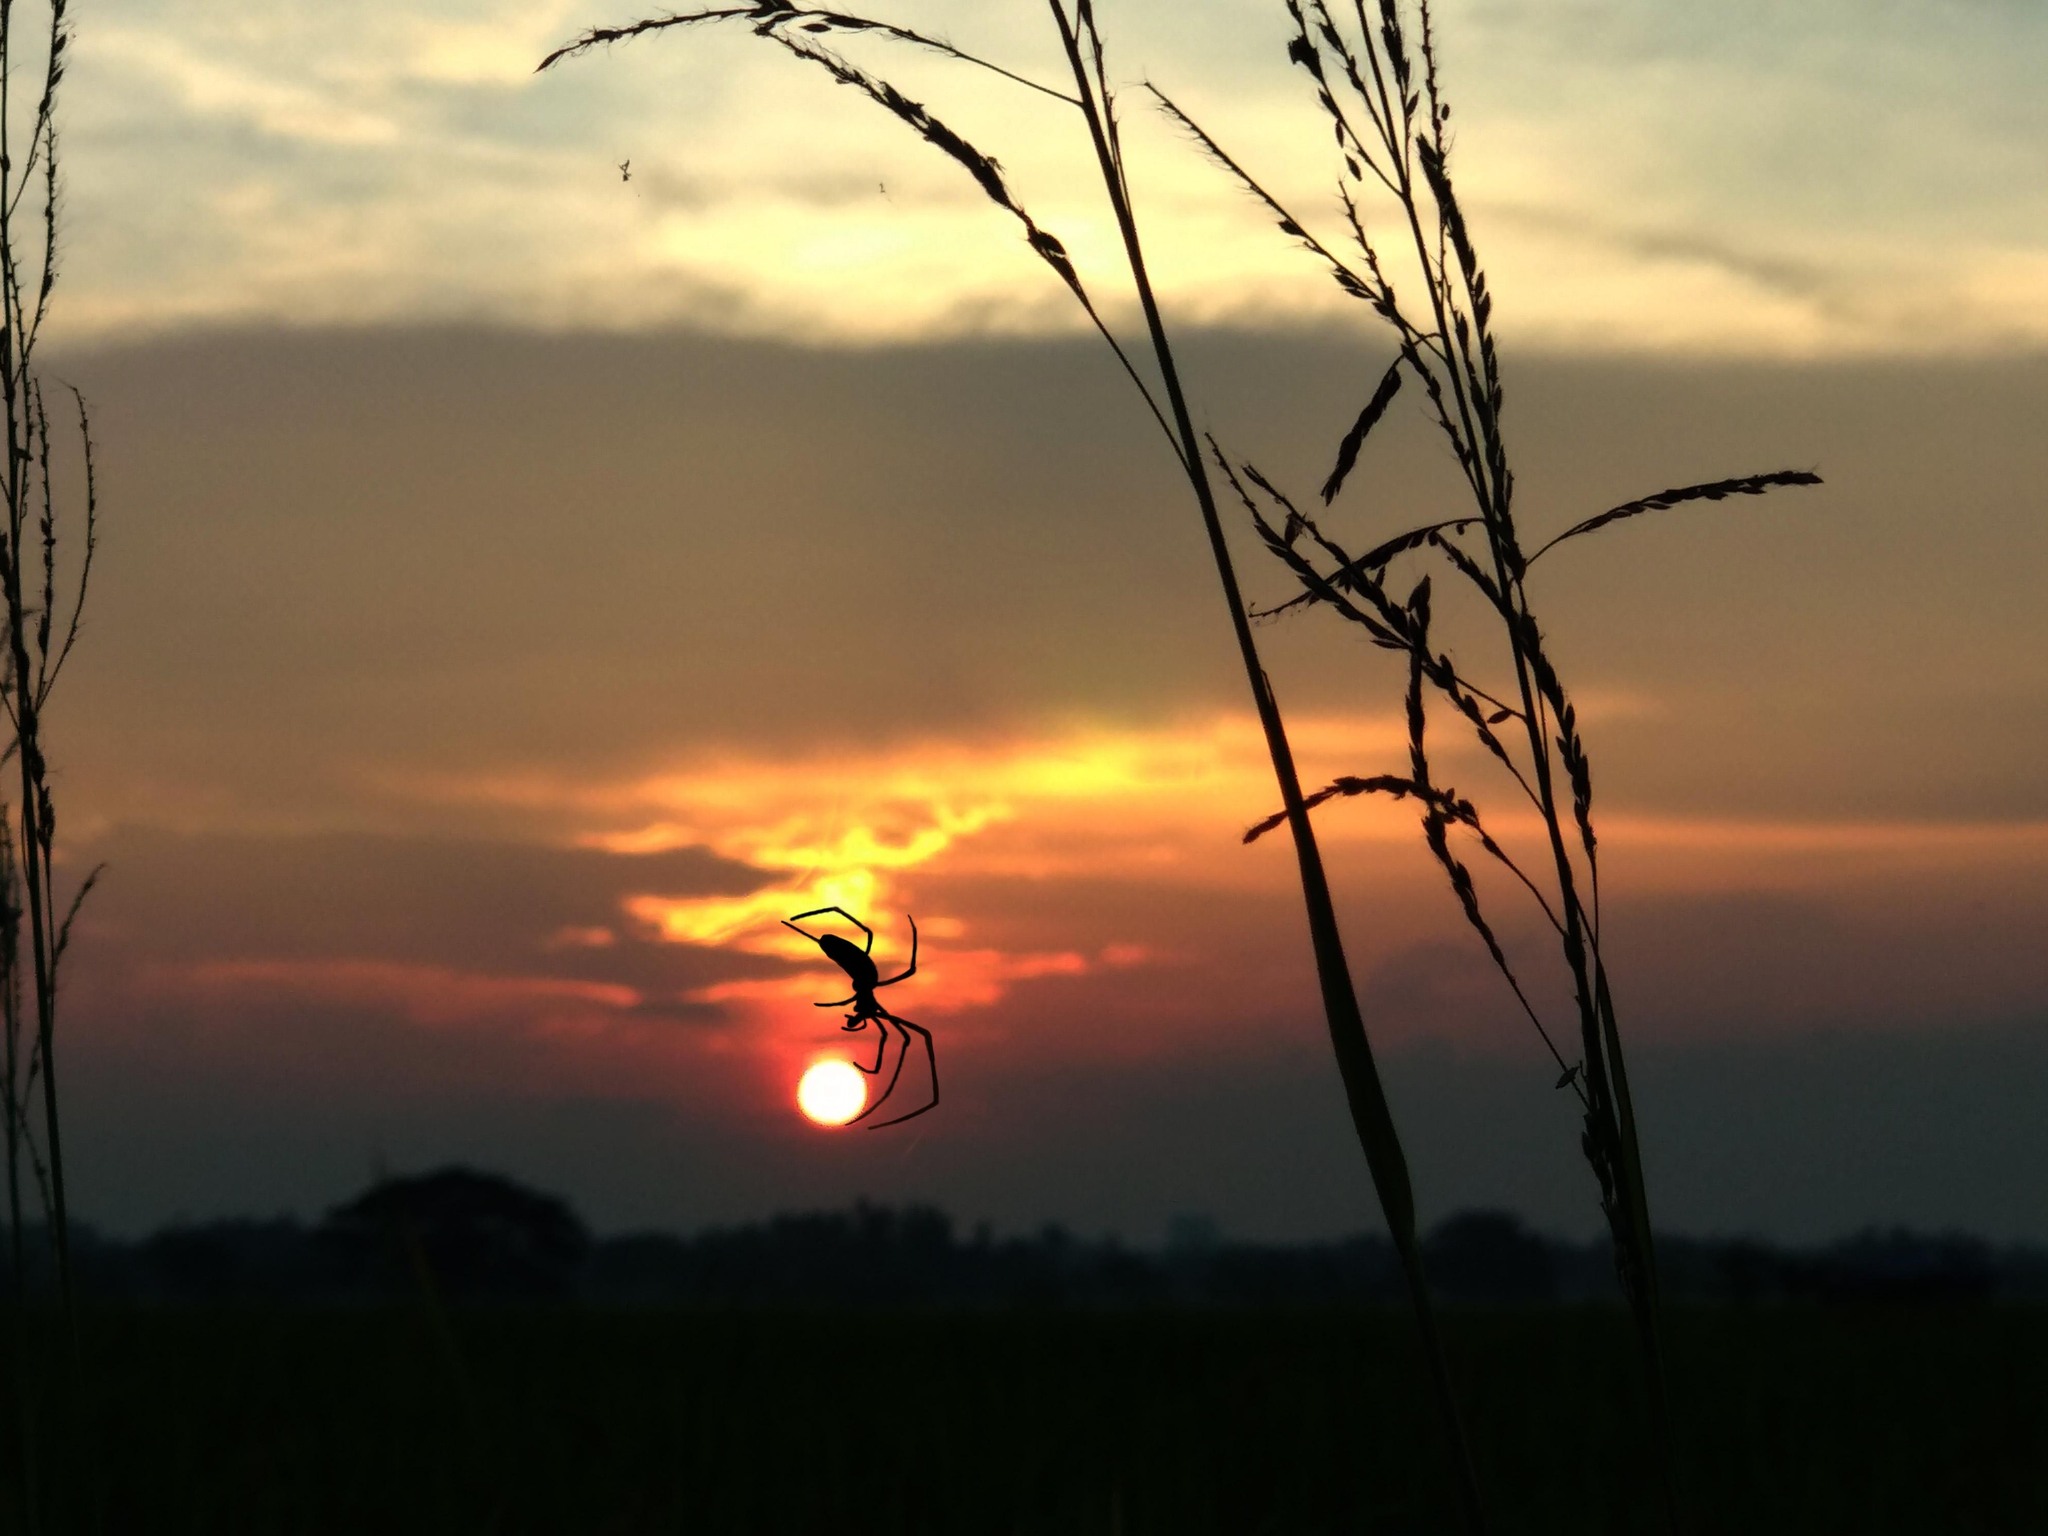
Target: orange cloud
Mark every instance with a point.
(962, 980)
(897, 828)
(847, 826)
(855, 831)
(859, 830)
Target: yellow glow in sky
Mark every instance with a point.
(847, 830)
(1058, 817)
(1615, 207)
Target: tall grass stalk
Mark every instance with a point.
(1377, 84)
(45, 599)
(804, 33)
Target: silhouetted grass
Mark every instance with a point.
(1377, 83)
(806, 34)
(1376, 79)
(43, 596)
(1800, 1422)
(37, 591)
(43, 584)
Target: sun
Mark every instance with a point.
(831, 1091)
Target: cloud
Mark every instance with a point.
(866, 832)
(432, 997)
(1814, 180)
(203, 88)
(421, 659)
(584, 562)
(337, 895)
(434, 933)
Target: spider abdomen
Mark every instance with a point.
(848, 956)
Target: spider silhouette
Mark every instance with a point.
(861, 970)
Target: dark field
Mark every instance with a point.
(583, 1421)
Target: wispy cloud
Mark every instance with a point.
(864, 830)
(1810, 179)
(1083, 901)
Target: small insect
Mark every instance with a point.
(861, 970)
(626, 170)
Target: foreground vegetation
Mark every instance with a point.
(413, 1418)
(458, 1235)
(1407, 254)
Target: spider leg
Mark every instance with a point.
(882, 1022)
(791, 922)
(931, 1056)
(913, 957)
(881, 1045)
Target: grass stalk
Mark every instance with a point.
(10, 1019)
(1378, 85)
(1365, 1097)
(35, 585)
(1081, 42)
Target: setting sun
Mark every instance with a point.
(831, 1091)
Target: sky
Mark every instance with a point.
(522, 585)
(1841, 176)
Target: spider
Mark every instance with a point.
(860, 969)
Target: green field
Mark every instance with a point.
(578, 1421)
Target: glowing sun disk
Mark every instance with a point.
(831, 1092)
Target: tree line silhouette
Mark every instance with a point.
(461, 1235)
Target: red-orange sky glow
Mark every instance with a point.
(457, 816)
